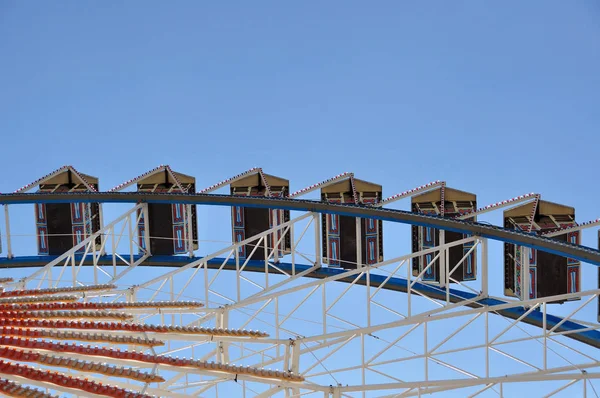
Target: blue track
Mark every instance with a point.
(590, 337)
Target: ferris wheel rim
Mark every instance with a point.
(334, 209)
(496, 233)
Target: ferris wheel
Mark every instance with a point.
(124, 298)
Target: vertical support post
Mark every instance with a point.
(101, 221)
(337, 393)
(444, 277)
(243, 381)
(74, 271)
(317, 241)
(425, 351)
(206, 284)
(222, 321)
(295, 363)
(190, 229)
(484, 267)
(146, 228)
(287, 367)
(132, 298)
(368, 289)
(274, 239)
(172, 296)
(359, 263)
(293, 248)
(92, 243)
(545, 331)
(9, 253)
(324, 305)
(363, 367)
(525, 273)
(442, 271)
(266, 254)
(237, 273)
(446, 267)
(487, 345)
(277, 325)
(113, 252)
(408, 288)
(129, 221)
(219, 343)
(131, 294)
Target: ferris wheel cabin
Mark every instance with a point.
(450, 203)
(249, 221)
(60, 226)
(339, 233)
(549, 274)
(169, 224)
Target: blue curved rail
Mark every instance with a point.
(535, 318)
(565, 249)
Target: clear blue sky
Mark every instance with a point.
(498, 99)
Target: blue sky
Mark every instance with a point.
(499, 99)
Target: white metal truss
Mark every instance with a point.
(371, 331)
(124, 225)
